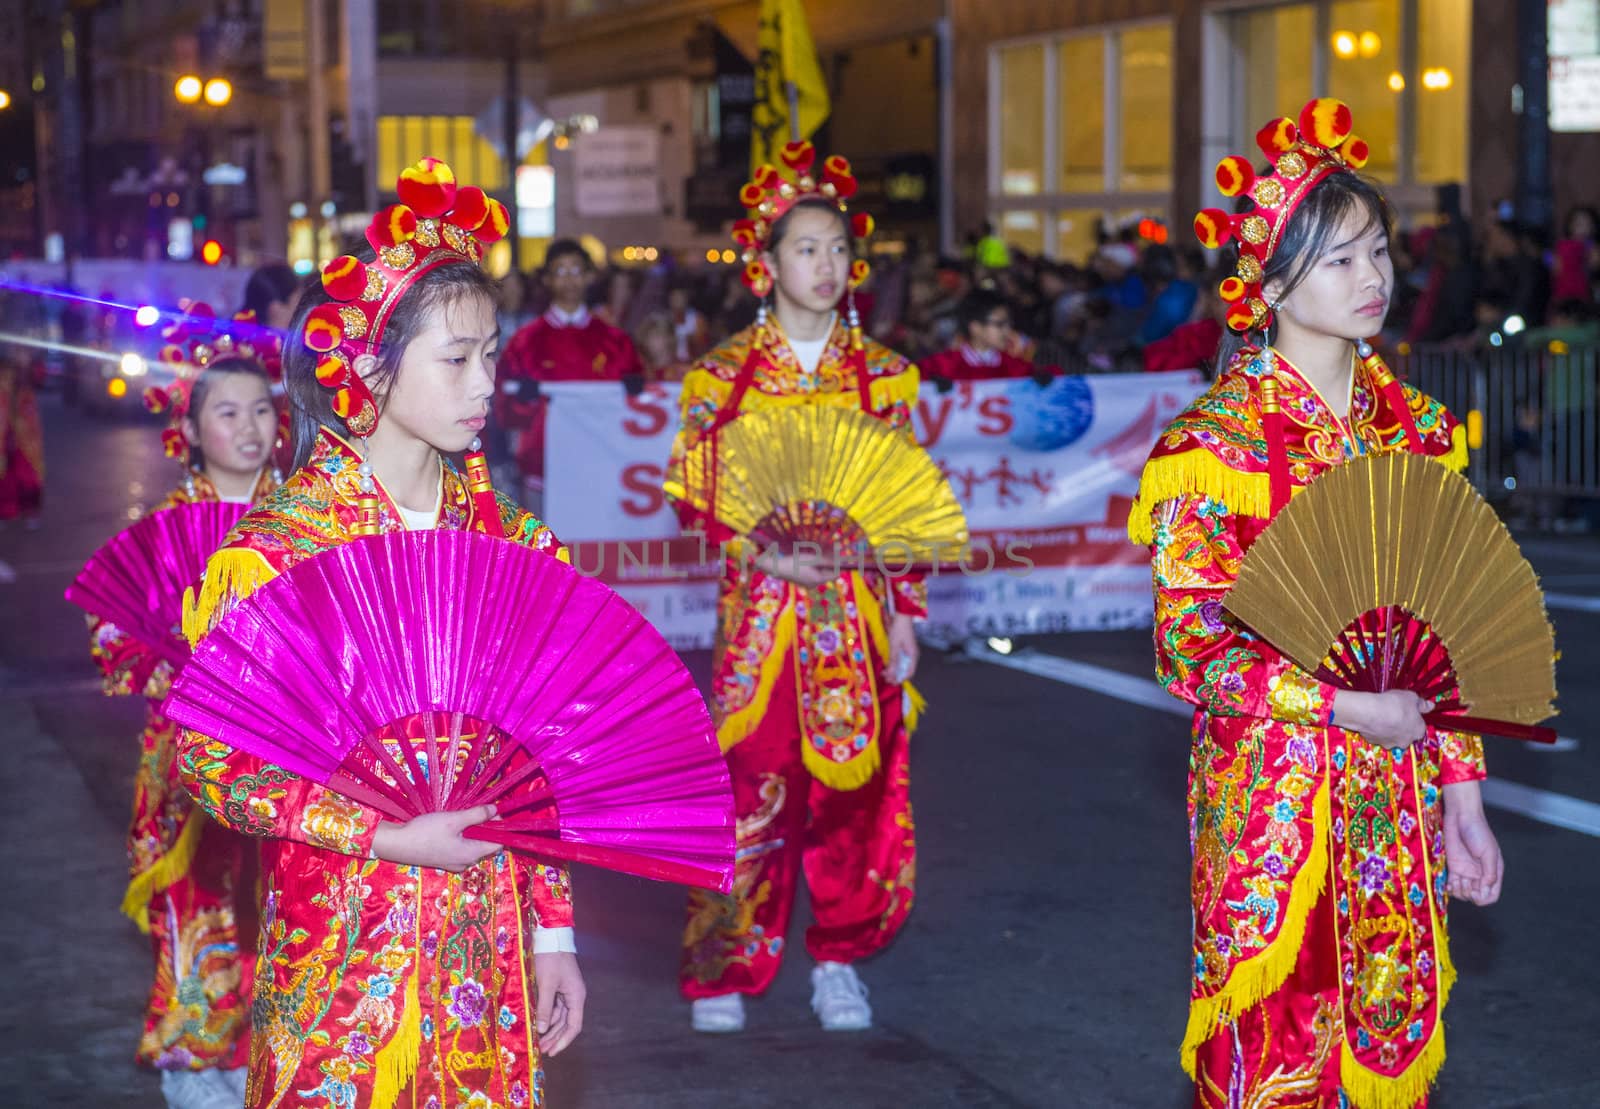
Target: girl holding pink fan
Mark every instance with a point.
(190, 878)
(396, 958)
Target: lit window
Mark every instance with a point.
(1022, 112)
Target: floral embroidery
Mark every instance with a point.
(1264, 760)
(354, 950)
(331, 821)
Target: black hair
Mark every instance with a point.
(781, 227)
(1308, 237)
(1160, 264)
(311, 403)
(268, 284)
(233, 366)
(977, 306)
(566, 248)
(1574, 213)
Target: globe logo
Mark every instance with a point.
(1051, 417)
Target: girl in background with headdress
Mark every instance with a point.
(807, 660)
(1320, 963)
(399, 963)
(191, 886)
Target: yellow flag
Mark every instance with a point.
(786, 57)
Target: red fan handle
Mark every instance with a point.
(1479, 725)
(548, 848)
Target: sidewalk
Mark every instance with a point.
(78, 969)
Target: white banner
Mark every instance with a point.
(618, 171)
(1046, 476)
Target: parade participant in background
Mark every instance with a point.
(690, 332)
(980, 354)
(802, 653)
(270, 296)
(1320, 964)
(192, 881)
(1193, 345)
(272, 293)
(657, 342)
(567, 343)
(21, 430)
(382, 980)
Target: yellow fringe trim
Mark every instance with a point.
(231, 576)
(1201, 473)
(1367, 1089)
(901, 388)
(700, 385)
(739, 725)
(916, 705)
(396, 1063)
(1195, 472)
(163, 872)
(1456, 458)
(1257, 977)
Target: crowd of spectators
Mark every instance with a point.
(1133, 304)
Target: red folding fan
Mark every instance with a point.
(426, 671)
(137, 580)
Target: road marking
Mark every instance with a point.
(1572, 602)
(1555, 809)
(68, 688)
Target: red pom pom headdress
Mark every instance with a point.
(436, 222)
(194, 341)
(774, 192)
(1302, 155)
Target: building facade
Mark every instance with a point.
(1084, 111)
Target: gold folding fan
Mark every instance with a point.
(835, 477)
(1391, 572)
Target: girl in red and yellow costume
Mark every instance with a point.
(397, 961)
(808, 689)
(1319, 887)
(191, 886)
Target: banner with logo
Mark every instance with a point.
(1046, 475)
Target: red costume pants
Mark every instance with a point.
(856, 847)
(1284, 1052)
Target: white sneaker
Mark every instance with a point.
(718, 1014)
(203, 1089)
(839, 999)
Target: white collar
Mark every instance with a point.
(979, 357)
(559, 318)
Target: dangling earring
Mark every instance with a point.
(367, 500)
(761, 313)
(188, 482)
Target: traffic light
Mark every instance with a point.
(211, 253)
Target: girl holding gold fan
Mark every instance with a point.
(809, 688)
(1322, 818)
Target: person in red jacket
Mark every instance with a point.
(567, 343)
(981, 352)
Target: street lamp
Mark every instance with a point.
(5, 100)
(188, 89)
(218, 92)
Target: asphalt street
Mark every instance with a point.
(1045, 963)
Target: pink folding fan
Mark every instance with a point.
(435, 670)
(138, 578)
